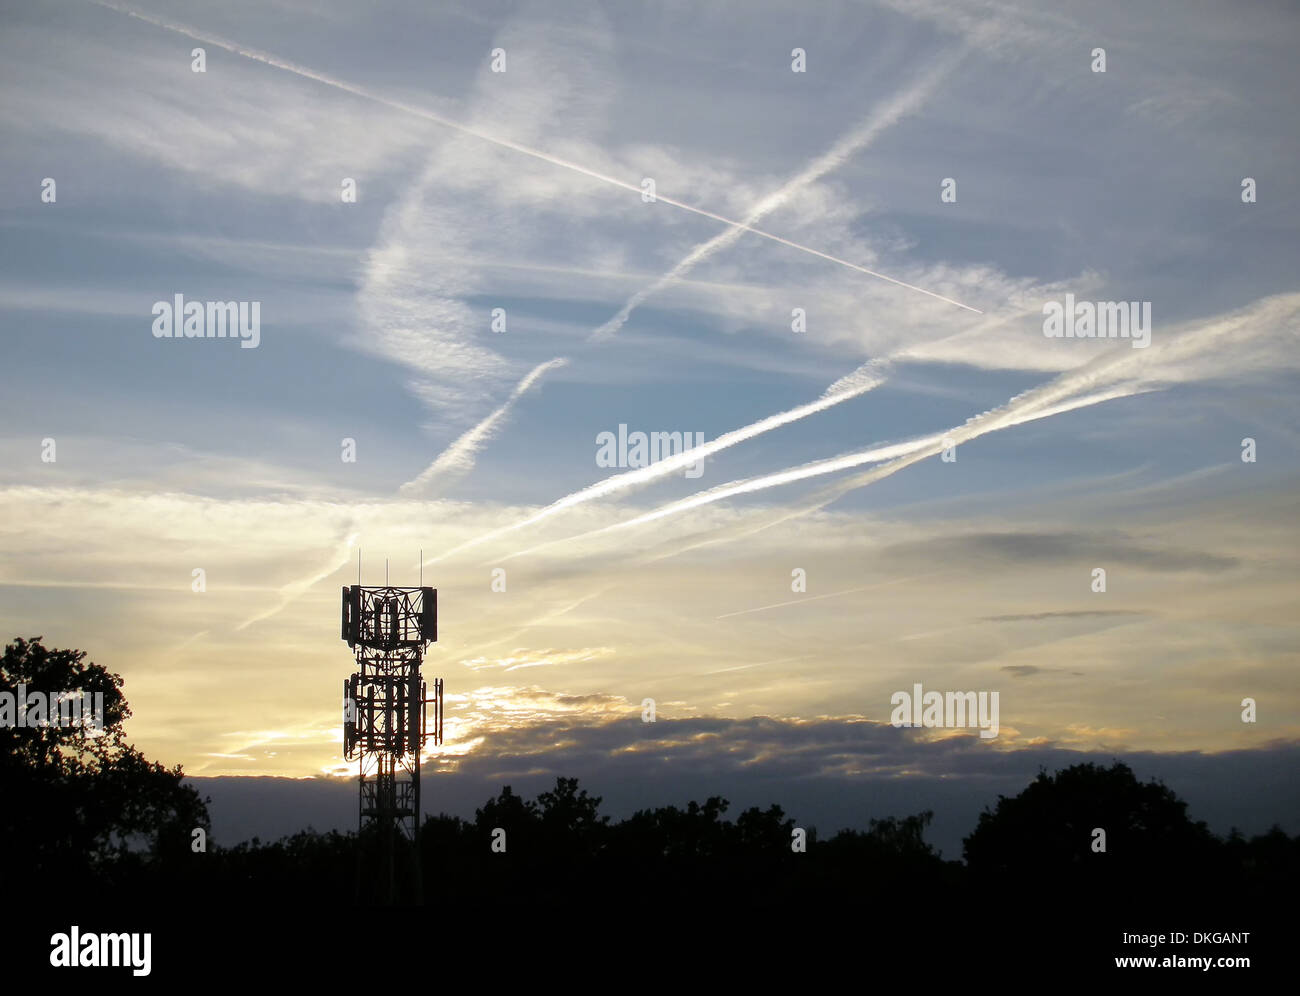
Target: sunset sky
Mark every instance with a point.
(521, 190)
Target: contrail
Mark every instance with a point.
(833, 594)
(290, 592)
(1109, 377)
(482, 647)
(457, 452)
(746, 667)
(901, 455)
(1116, 374)
(730, 490)
(1113, 375)
(461, 452)
(833, 158)
(643, 475)
(863, 378)
(504, 143)
(1049, 399)
(459, 456)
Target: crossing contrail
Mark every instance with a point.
(459, 456)
(900, 455)
(848, 145)
(468, 443)
(1120, 373)
(869, 376)
(505, 143)
(1023, 408)
(861, 379)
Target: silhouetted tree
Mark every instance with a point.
(508, 811)
(79, 810)
(676, 834)
(764, 831)
(571, 823)
(79, 803)
(1044, 837)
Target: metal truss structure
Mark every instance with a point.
(388, 719)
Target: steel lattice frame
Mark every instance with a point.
(386, 720)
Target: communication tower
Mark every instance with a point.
(388, 718)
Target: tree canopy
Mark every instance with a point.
(84, 809)
(81, 801)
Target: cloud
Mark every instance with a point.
(202, 124)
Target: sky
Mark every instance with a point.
(837, 293)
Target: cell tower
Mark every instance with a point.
(386, 724)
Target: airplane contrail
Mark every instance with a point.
(505, 143)
(851, 143)
(916, 450)
(1116, 374)
(815, 469)
(861, 379)
(465, 445)
(1109, 377)
(468, 442)
(900, 455)
(294, 589)
(746, 667)
(822, 498)
(924, 445)
(459, 456)
(679, 461)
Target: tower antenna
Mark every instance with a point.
(387, 721)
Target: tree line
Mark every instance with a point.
(89, 815)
